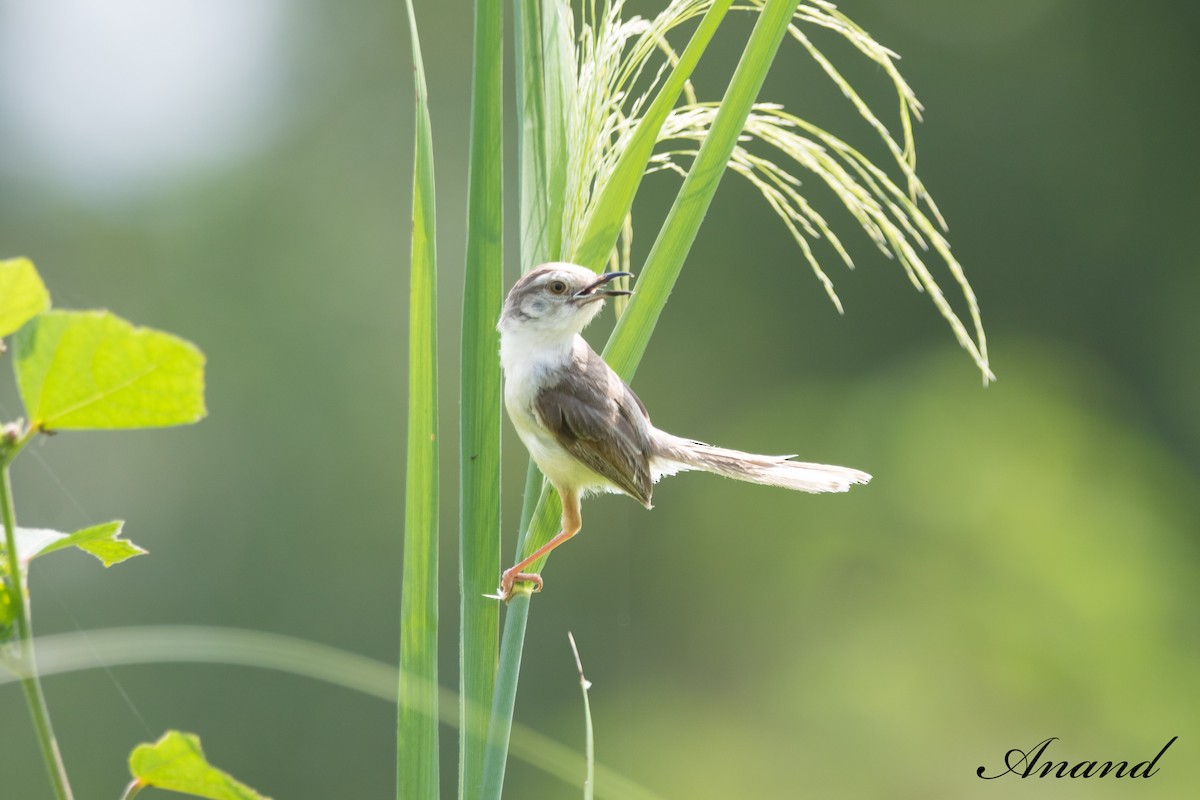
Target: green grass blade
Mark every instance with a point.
(531, 143)
(545, 82)
(604, 223)
(545, 88)
(558, 59)
(417, 720)
(629, 338)
(479, 458)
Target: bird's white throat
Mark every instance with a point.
(530, 356)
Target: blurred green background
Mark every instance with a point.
(1024, 564)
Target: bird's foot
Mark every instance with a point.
(508, 581)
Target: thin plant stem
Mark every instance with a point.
(35, 698)
(589, 753)
(504, 699)
(533, 488)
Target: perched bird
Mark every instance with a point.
(585, 427)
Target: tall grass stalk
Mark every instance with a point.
(629, 339)
(538, 236)
(544, 38)
(479, 454)
(417, 775)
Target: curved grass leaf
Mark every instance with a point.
(176, 763)
(22, 294)
(95, 649)
(94, 370)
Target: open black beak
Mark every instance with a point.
(595, 291)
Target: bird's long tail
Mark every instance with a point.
(672, 454)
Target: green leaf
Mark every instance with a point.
(480, 398)
(8, 618)
(103, 541)
(176, 763)
(22, 294)
(417, 721)
(94, 370)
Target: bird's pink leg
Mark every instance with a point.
(572, 521)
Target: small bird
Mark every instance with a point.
(585, 428)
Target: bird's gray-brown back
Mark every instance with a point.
(601, 422)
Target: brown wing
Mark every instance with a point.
(601, 422)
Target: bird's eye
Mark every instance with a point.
(557, 287)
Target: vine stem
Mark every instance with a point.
(30, 683)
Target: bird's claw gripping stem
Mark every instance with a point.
(508, 580)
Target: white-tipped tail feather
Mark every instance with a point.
(673, 454)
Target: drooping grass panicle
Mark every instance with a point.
(613, 56)
(826, 15)
(621, 64)
(890, 217)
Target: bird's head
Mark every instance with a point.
(557, 299)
